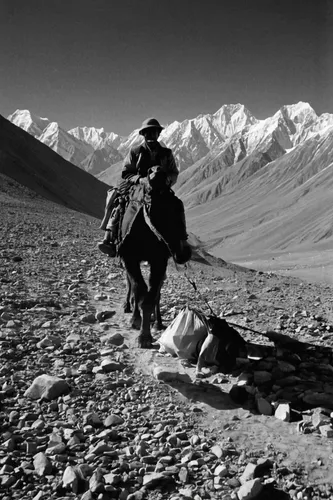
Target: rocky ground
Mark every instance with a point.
(85, 414)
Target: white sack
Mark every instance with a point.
(183, 335)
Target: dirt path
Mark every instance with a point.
(220, 416)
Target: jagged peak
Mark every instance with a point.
(112, 135)
(20, 112)
(52, 128)
(300, 108)
(202, 116)
(171, 128)
(232, 109)
(87, 129)
(25, 115)
(301, 105)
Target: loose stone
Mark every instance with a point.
(47, 387)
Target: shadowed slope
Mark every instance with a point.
(31, 163)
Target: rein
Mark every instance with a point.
(194, 285)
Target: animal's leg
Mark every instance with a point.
(127, 303)
(158, 325)
(157, 272)
(139, 290)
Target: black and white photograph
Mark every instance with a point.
(166, 249)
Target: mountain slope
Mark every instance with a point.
(96, 137)
(29, 122)
(208, 178)
(33, 164)
(286, 204)
(65, 144)
(101, 159)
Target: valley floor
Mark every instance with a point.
(312, 265)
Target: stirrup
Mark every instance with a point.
(183, 252)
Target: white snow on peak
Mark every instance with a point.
(170, 129)
(232, 118)
(52, 128)
(96, 137)
(29, 122)
(301, 113)
(66, 145)
(232, 128)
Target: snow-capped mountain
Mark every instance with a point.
(208, 145)
(29, 122)
(251, 149)
(192, 139)
(246, 183)
(96, 137)
(65, 144)
(283, 204)
(134, 139)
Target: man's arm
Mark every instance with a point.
(129, 170)
(172, 170)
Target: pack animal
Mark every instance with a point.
(141, 242)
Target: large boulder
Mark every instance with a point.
(47, 387)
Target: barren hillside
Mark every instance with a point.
(31, 163)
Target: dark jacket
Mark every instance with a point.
(139, 160)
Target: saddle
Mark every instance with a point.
(163, 211)
(115, 196)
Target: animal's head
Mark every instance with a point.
(157, 178)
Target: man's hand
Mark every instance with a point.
(157, 178)
(145, 182)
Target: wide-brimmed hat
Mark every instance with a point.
(150, 123)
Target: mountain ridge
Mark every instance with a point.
(246, 183)
(191, 139)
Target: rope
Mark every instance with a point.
(193, 283)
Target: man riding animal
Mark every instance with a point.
(138, 169)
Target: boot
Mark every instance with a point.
(182, 252)
(107, 246)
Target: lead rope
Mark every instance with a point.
(194, 285)
(160, 237)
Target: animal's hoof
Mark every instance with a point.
(145, 342)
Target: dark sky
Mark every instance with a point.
(112, 63)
